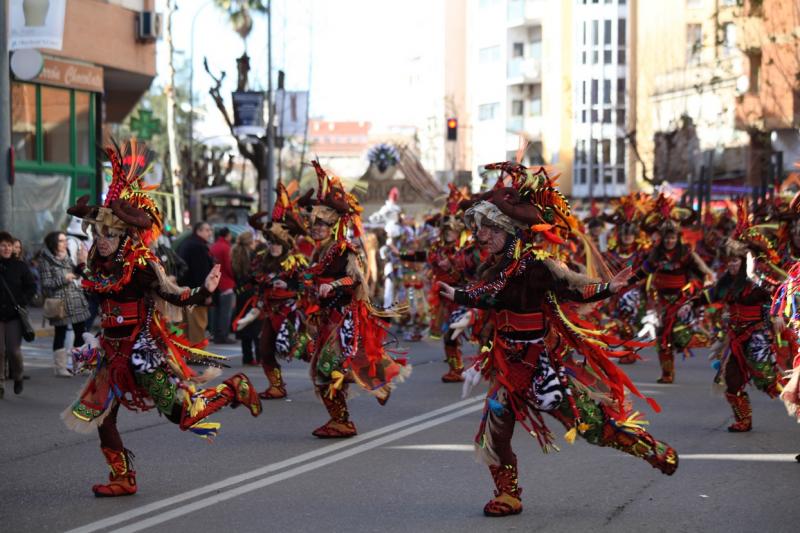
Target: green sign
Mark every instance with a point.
(145, 126)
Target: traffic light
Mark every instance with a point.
(452, 129)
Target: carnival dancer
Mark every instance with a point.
(677, 274)
(347, 331)
(137, 361)
(453, 259)
(528, 361)
(277, 275)
(749, 357)
(627, 248)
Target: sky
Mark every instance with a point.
(352, 54)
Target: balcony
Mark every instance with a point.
(525, 12)
(529, 126)
(524, 70)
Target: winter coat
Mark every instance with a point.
(194, 251)
(55, 285)
(221, 252)
(20, 282)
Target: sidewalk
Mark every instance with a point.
(43, 329)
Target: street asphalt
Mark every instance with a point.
(410, 469)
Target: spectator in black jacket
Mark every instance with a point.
(20, 282)
(194, 251)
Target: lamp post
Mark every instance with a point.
(191, 79)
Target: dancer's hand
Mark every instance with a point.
(447, 291)
(212, 280)
(778, 324)
(324, 290)
(620, 280)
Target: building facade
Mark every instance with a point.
(57, 118)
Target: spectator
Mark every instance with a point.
(194, 252)
(17, 251)
(241, 261)
(221, 323)
(18, 279)
(60, 283)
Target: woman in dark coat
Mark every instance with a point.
(19, 281)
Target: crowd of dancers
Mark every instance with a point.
(510, 271)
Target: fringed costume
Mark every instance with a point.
(627, 248)
(278, 279)
(675, 273)
(347, 332)
(138, 361)
(542, 358)
(749, 356)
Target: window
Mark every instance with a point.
(517, 49)
(606, 116)
(621, 176)
(535, 39)
(694, 43)
(621, 56)
(620, 92)
(488, 111)
(583, 92)
(53, 134)
(620, 151)
(535, 100)
(621, 118)
(490, 54)
(55, 124)
(606, 91)
(23, 120)
(594, 91)
(607, 32)
(621, 32)
(754, 58)
(594, 115)
(606, 153)
(517, 108)
(729, 38)
(595, 32)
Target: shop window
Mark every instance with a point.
(83, 128)
(23, 121)
(55, 124)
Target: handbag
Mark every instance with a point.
(54, 309)
(28, 333)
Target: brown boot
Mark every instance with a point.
(122, 479)
(453, 355)
(339, 426)
(277, 387)
(506, 499)
(636, 441)
(742, 412)
(667, 360)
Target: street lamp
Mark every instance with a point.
(191, 80)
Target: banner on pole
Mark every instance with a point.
(248, 113)
(293, 109)
(37, 24)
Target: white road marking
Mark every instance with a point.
(302, 469)
(763, 457)
(326, 451)
(435, 447)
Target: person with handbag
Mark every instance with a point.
(17, 287)
(65, 302)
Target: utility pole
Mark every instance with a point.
(270, 156)
(174, 160)
(5, 122)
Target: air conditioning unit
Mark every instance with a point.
(148, 26)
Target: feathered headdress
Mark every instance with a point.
(128, 206)
(666, 216)
(286, 223)
(333, 205)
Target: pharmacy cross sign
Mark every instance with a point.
(145, 126)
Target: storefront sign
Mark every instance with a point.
(71, 75)
(37, 24)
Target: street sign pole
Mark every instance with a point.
(270, 158)
(5, 123)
